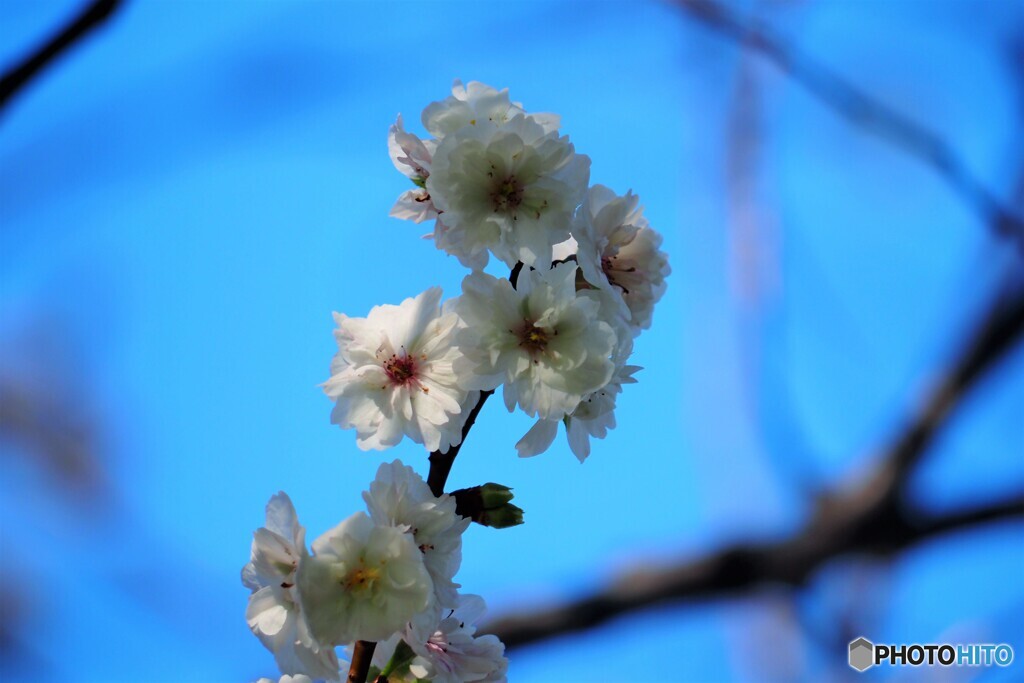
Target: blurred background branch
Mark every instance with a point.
(168, 161)
(871, 516)
(92, 15)
(59, 436)
(862, 109)
(743, 568)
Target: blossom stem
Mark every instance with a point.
(362, 655)
(440, 468)
(441, 463)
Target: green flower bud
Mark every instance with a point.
(503, 517)
(488, 505)
(495, 495)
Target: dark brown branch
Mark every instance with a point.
(94, 14)
(441, 463)
(732, 572)
(362, 656)
(873, 517)
(864, 110)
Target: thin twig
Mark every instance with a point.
(863, 109)
(89, 18)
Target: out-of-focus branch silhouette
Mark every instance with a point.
(59, 437)
(63, 439)
(880, 531)
(865, 111)
(91, 16)
(871, 517)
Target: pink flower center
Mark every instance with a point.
(616, 274)
(438, 646)
(400, 369)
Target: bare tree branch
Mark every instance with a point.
(91, 16)
(872, 517)
(864, 110)
(735, 571)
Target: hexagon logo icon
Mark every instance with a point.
(862, 654)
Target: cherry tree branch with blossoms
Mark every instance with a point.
(556, 336)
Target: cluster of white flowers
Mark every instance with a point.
(386, 576)
(556, 334)
(498, 180)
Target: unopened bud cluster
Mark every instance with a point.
(488, 505)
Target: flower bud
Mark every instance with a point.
(503, 517)
(488, 505)
(495, 495)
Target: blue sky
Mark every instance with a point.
(189, 195)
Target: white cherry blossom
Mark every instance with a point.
(412, 157)
(594, 416)
(544, 341)
(617, 247)
(454, 654)
(510, 189)
(274, 612)
(472, 105)
(399, 497)
(393, 375)
(477, 104)
(363, 582)
(450, 653)
(557, 335)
